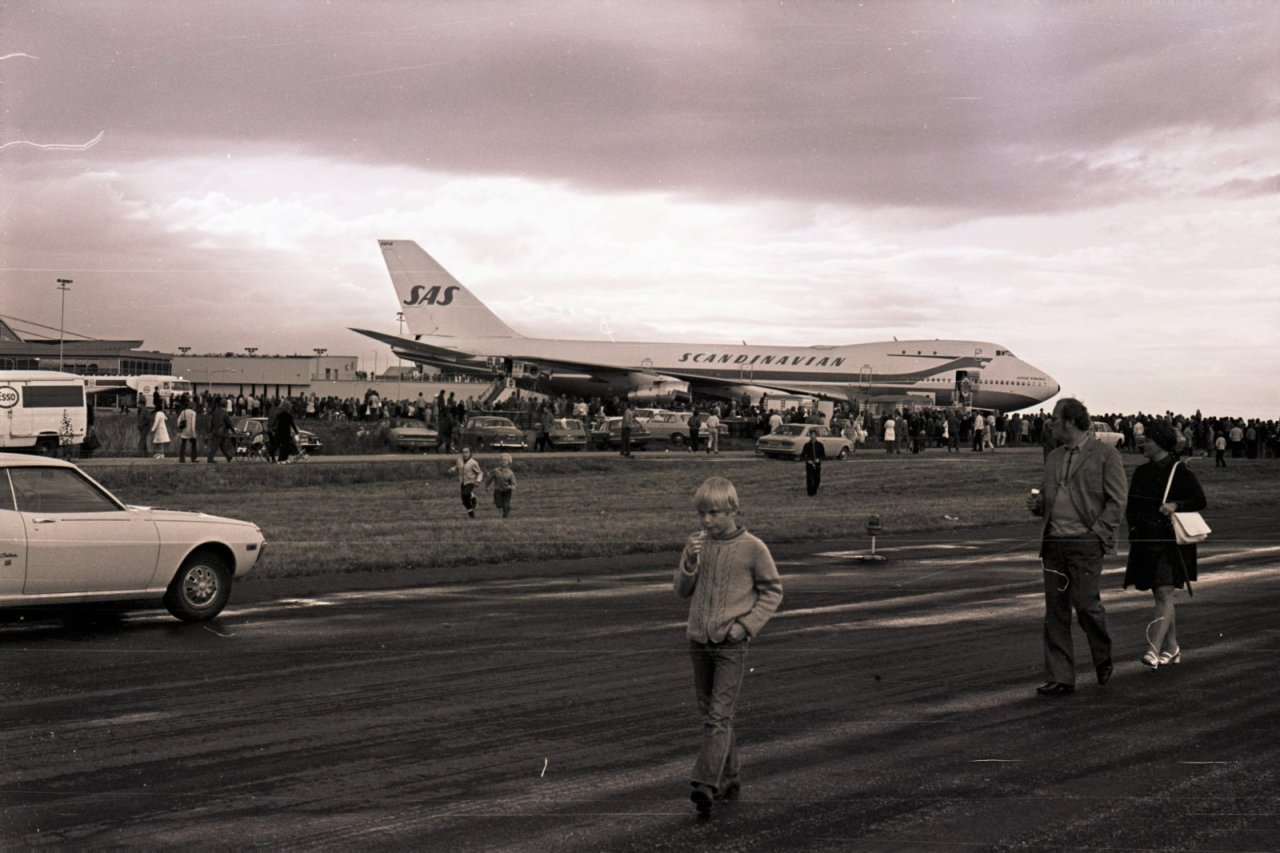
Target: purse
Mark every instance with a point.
(1188, 527)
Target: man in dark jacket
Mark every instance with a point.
(813, 453)
(220, 431)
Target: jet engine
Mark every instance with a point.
(660, 391)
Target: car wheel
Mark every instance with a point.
(843, 454)
(479, 444)
(200, 589)
(677, 439)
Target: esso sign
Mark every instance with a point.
(8, 396)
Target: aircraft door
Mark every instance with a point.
(864, 377)
(966, 386)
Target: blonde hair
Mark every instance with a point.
(505, 459)
(716, 493)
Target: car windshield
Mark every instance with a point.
(790, 429)
(571, 424)
(495, 422)
(57, 490)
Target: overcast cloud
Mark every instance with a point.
(1094, 186)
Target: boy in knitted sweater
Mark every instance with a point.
(733, 588)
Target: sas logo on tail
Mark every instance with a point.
(436, 295)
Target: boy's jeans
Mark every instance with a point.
(717, 677)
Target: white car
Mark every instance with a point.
(64, 539)
(1107, 435)
(790, 439)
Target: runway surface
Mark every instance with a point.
(888, 707)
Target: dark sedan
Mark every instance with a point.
(249, 429)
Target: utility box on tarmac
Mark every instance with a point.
(41, 410)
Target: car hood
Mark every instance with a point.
(183, 515)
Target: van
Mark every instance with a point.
(41, 410)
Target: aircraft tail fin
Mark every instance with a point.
(433, 301)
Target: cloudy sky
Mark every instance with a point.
(1095, 186)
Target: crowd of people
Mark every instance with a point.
(902, 430)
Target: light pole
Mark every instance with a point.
(251, 351)
(62, 318)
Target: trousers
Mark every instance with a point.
(1072, 568)
(717, 678)
(812, 477)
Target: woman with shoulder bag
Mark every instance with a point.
(1157, 562)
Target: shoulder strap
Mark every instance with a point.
(1164, 499)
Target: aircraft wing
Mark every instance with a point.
(459, 361)
(718, 386)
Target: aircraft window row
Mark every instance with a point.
(947, 380)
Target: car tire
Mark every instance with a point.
(843, 454)
(677, 439)
(200, 589)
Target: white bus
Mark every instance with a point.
(138, 389)
(41, 410)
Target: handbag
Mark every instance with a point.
(1188, 527)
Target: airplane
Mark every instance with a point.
(455, 333)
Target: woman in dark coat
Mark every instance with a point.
(1156, 561)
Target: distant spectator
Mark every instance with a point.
(144, 428)
(159, 434)
(813, 453)
(221, 431)
(187, 435)
(712, 427)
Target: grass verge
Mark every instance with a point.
(387, 515)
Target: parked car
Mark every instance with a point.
(67, 540)
(607, 433)
(568, 434)
(1107, 435)
(674, 427)
(670, 427)
(413, 434)
(790, 439)
(250, 434)
(492, 433)
(645, 415)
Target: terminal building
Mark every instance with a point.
(221, 374)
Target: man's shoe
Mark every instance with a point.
(730, 791)
(1104, 672)
(701, 800)
(1055, 688)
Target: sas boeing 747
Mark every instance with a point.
(453, 332)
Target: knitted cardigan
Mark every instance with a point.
(733, 580)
